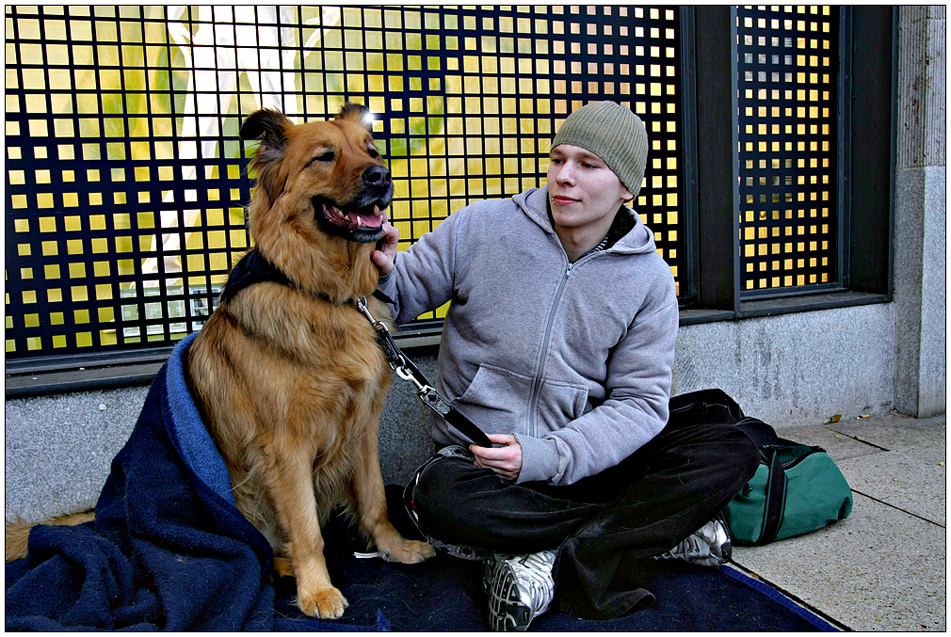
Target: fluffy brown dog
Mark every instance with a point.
(287, 372)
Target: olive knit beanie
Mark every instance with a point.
(613, 133)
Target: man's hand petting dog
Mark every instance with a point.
(385, 255)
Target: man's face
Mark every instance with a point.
(582, 190)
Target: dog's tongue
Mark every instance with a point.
(367, 218)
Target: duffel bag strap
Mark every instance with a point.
(775, 497)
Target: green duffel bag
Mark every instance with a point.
(796, 489)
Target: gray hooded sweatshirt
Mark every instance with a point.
(574, 359)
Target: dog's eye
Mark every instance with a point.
(325, 157)
(374, 153)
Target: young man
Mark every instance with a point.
(559, 343)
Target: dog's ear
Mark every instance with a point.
(355, 113)
(270, 126)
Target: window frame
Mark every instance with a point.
(866, 167)
(711, 289)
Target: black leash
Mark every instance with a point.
(254, 268)
(407, 370)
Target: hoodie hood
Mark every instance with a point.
(638, 240)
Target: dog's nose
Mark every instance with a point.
(376, 176)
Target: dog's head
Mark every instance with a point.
(328, 173)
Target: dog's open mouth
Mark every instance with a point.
(362, 225)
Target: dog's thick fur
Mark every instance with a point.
(288, 375)
(18, 533)
(290, 378)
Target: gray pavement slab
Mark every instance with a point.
(839, 446)
(891, 458)
(896, 432)
(880, 569)
(910, 481)
(884, 567)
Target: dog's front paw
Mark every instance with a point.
(409, 552)
(283, 567)
(325, 603)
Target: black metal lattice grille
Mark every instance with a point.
(125, 174)
(787, 72)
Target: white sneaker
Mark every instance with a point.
(520, 588)
(710, 545)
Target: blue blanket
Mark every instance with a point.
(169, 550)
(444, 594)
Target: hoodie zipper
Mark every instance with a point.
(535, 393)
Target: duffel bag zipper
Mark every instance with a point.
(795, 461)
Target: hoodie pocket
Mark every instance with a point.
(495, 399)
(498, 400)
(558, 404)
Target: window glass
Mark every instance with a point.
(126, 180)
(787, 65)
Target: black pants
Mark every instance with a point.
(603, 526)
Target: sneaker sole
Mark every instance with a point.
(506, 610)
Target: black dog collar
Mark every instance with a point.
(251, 269)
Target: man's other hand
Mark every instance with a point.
(506, 461)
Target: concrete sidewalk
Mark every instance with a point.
(883, 567)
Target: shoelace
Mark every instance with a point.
(699, 544)
(534, 572)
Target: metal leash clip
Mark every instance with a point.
(362, 306)
(426, 393)
(391, 352)
(399, 364)
(407, 374)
